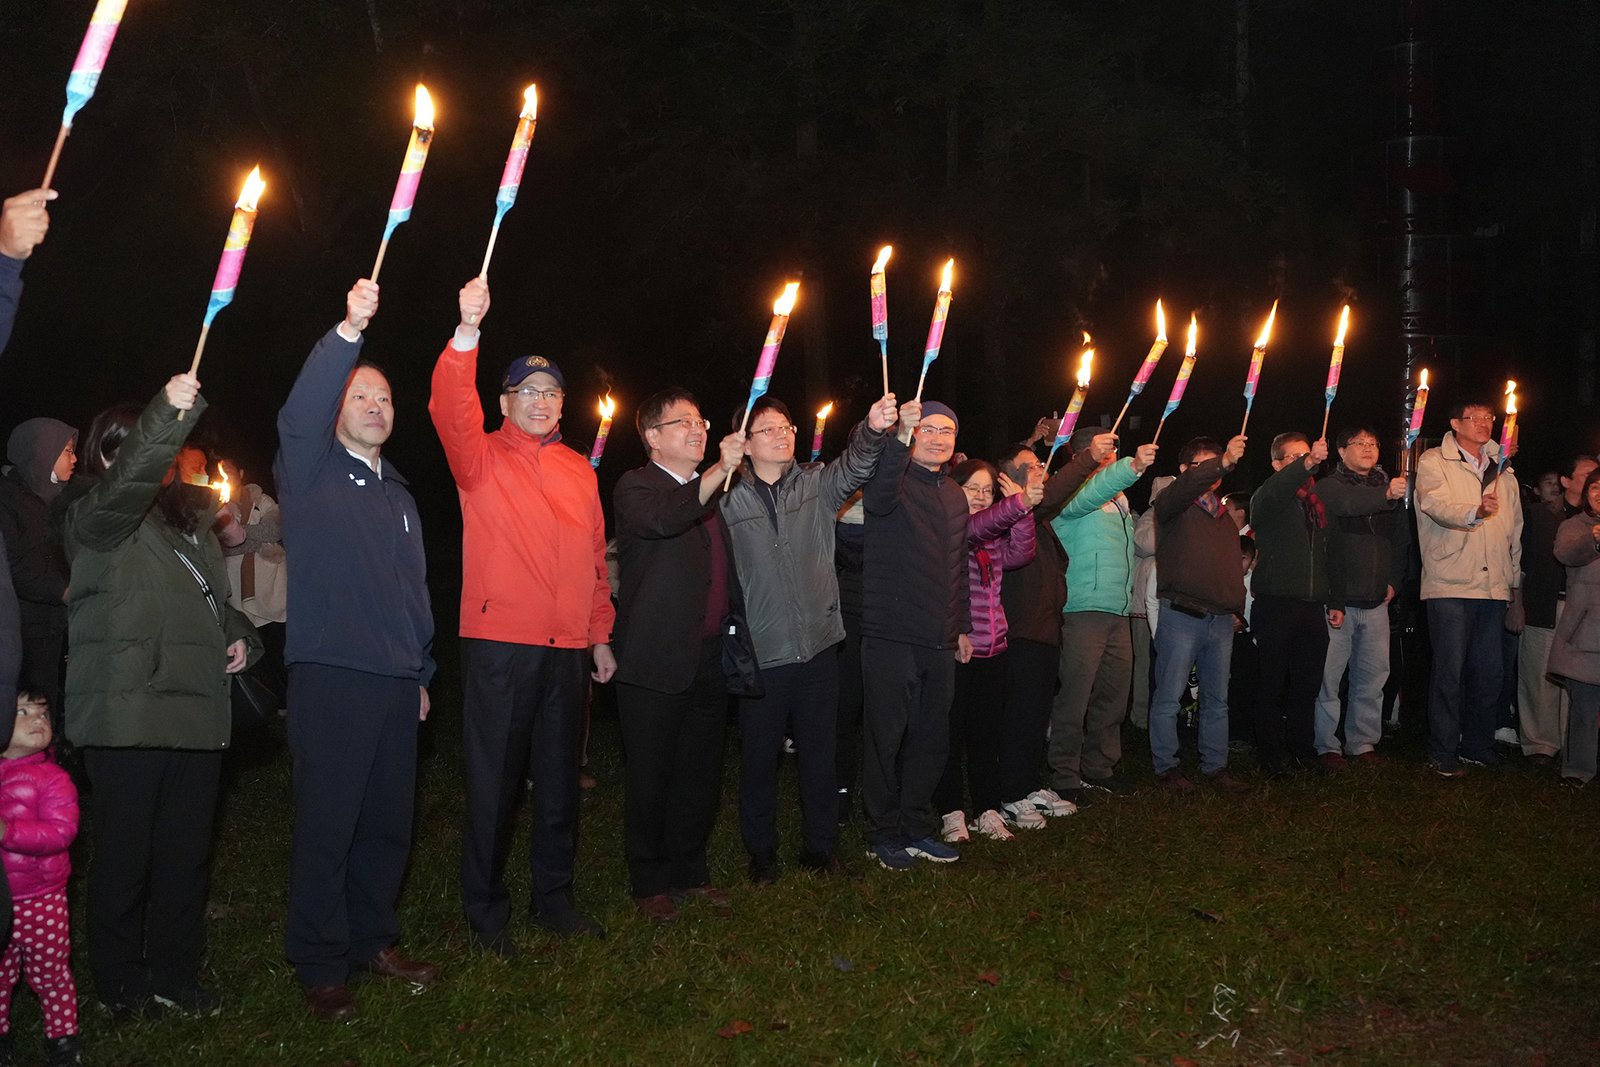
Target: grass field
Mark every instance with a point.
(1381, 916)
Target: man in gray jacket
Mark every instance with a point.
(780, 517)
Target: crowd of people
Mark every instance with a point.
(950, 645)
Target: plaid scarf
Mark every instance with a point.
(1316, 513)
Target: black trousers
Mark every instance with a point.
(977, 727)
(1030, 690)
(672, 744)
(154, 810)
(521, 719)
(353, 743)
(847, 750)
(802, 700)
(1292, 641)
(906, 737)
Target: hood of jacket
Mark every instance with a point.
(32, 450)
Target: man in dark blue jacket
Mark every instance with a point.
(359, 632)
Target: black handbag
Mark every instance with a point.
(254, 700)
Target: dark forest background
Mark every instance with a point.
(1078, 159)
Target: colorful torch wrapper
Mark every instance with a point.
(816, 435)
(941, 311)
(1334, 365)
(92, 56)
(769, 350)
(405, 190)
(880, 299)
(1256, 356)
(1069, 421)
(1179, 385)
(516, 160)
(233, 249)
(607, 409)
(1508, 429)
(1418, 407)
(1148, 367)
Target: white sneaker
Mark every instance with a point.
(1022, 815)
(990, 824)
(955, 827)
(1507, 736)
(1049, 802)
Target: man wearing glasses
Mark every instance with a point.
(781, 516)
(1469, 532)
(682, 647)
(535, 606)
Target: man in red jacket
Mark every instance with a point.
(535, 605)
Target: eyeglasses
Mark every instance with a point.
(690, 424)
(773, 432)
(529, 392)
(1476, 418)
(978, 490)
(936, 431)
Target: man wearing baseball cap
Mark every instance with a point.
(535, 605)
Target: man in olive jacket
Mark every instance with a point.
(153, 643)
(780, 517)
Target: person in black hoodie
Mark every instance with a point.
(42, 455)
(916, 618)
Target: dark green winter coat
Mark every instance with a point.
(148, 652)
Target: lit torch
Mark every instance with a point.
(608, 407)
(1148, 367)
(240, 227)
(1335, 364)
(511, 176)
(941, 311)
(1257, 354)
(1180, 383)
(405, 188)
(816, 436)
(1508, 429)
(1069, 421)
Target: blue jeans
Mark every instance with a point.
(1362, 644)
(1206, 643)
(1465, 687)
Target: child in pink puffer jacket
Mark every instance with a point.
(38, 820)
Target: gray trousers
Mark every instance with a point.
(1086, 718)
(1139, 709)
(1541, 704)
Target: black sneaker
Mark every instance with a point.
(568, 922)
(1113, 783)
(764, 870)
(195, 1001)
(61, 1051)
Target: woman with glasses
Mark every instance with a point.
(999, 535)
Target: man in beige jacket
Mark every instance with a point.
(1469, 531)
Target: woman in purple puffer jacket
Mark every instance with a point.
(997, 539)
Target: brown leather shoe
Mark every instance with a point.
(1226, 781)
(330, 1003)
(717, 899)
(390, 964)
(658, 908)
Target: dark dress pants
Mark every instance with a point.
(977, 725)
(521, 720)
(353, 743)
(851, 700)
(672, 744)
(801, 700)
(154, 810)
(906, 737)
(1030, 690)
(1292, 639)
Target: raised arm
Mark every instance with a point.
(881, 494)
(307, 419)
(1344, 498)
(646, 508)
(1186, 488)
(1577, 543)
(24, 220)
(1101, 489)
(1021, 541)
(996, 519)
(109, 513)
(1437, 501)
(1065, 482)
(454, 405)
(844, 475)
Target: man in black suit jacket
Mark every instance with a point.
(681, 646)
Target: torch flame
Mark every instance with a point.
(1344, 322)
(825, 412)
(1194, 333)
(1511, 387)
(224, 488)
(1424, 383)
(530, 102)
(608, 407)
(1511, 398)
(424, 119)
(785, 303)
(883, 259)
(1266, 331)
(949, 269)
(1161, 322)
(250, 195)
(1083, 368)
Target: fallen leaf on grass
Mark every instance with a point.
(1206, 916)
(991, 977)
(734, 1029)
(1034, 916)
(778, 1026)
(1183, 1061)
(1065, 975)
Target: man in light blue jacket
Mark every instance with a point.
(1096, 529)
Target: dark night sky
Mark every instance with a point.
(690, 157)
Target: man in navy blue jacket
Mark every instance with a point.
(359, 632)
